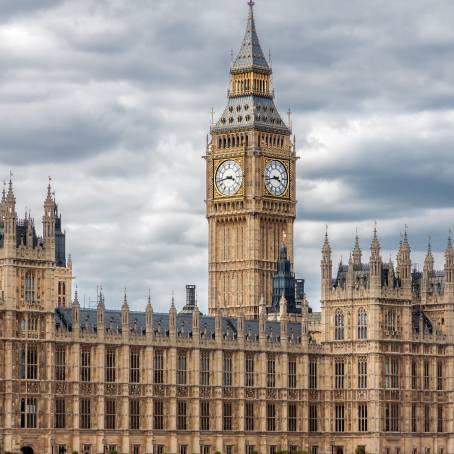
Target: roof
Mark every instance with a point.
(250, 55)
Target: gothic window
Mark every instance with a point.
(292, 417)
(205, 368)
(313, 418)
(362, 373)
(271, 417)
(362, 324)
(414, 418)
(85, 365)
(392, 372)
(249, 416)
(182, 370)
(29, 362)
(158, 367)
(110, 365)
(362, 418)
(313, 373)
(439, 375)
(85, 414)
(339, 374)
(227, 414)
(28, 413)
(339, 325)
(339, 418)
(271, 372)
(60, 363)
(249, 371)
(392, 417)
(205, 415)
(414, 374)
(110, 416)
(292, 373)
(227, 379)
(134, 366)
(158, 415)
(391, 324)
(440, 425)
(426, 374)
(134, 414)
(182, 415)
(426, 417)
(29, 288)
(60, 413)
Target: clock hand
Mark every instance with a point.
(230, 177)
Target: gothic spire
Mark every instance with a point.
(357, 251)
(375, 245)
(429, 260)
(326, 249)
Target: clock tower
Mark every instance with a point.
(250, 179)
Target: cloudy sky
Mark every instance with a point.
(113, 98)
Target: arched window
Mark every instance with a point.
(362, 324)
(391, 325)
(29, 288)
(339, 325)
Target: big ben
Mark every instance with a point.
(250, 175)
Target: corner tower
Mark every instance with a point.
(250, 183)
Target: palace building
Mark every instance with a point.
(371, 372)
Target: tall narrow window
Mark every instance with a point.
(426, 374)
(134, 414)
(85, 414)
(110, 416)
(28, 413)
(227, 414)
(313, 418)
(249, 379)
(158, 415)
(391, 372)
(205, 368)
(60, 363)
(339, 325)
(271, 417)
(182, 371)
(414, 374)
(392, 417)
(85, 365)
(29, 288)
(134, 366)
(110, 365)
(339, 374)
(362, 417)
(362, 373)
(292, 373)
(182, 423)
(414, 418)
(249, 416)
(205, 415)
(60, 414)
(29, 362)
(292, 417)
(158, 367)
(439, 375)
(271, 372)
(312, 373)
(440, 425)
(227, 378)
(362, 324)
(339, 421)
(391, 325)
(426, 417)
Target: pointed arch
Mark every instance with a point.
(339, 325)
(362, 323)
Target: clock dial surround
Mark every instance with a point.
(276, 178)
(229, 178)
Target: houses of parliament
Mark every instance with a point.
(261, 373)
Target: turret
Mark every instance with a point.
(49, 224)
(262, 321)
(76, 313)
(427, 271)
(375, 265)
(350, 273)
(449, 271)
(357, 254)
(149, 318)
(283, 319)
(125, 316)
(100, 315)
(10, 220)
(172, 319)
(326, 268)
(404, 266)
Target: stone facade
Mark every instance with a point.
(373, 369)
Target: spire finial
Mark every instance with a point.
(450, 237)
(251, 4)
(429, 244)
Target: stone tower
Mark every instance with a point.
(250, 182)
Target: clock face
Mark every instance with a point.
(229, 178)
(276, 178)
